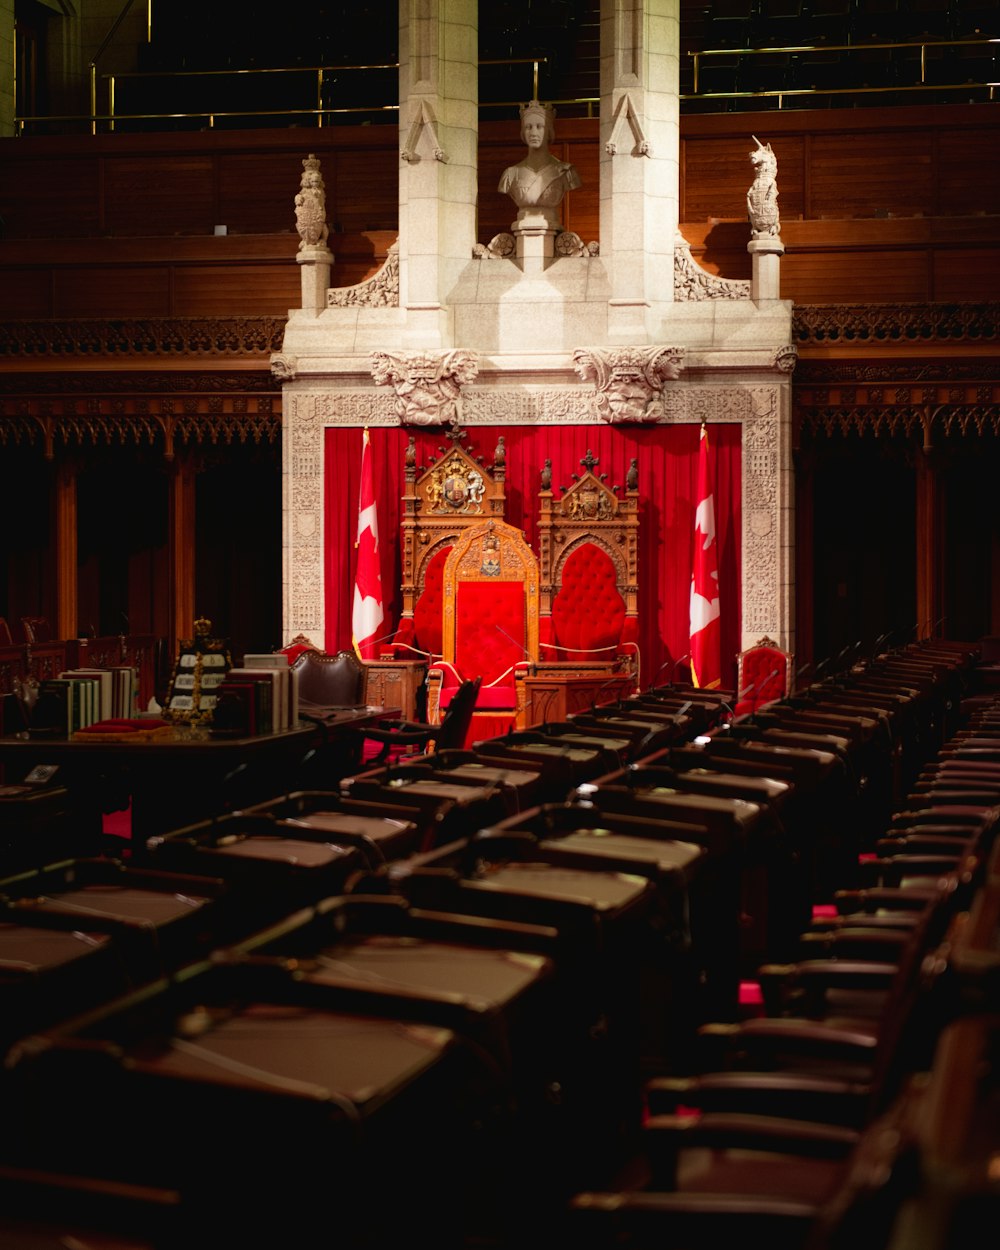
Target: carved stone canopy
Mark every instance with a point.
(428, 384)
(629, 380)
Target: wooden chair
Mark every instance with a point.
(763, 673)
(5, 637)
(490, 620)
(399, 736)
(588, 565)
(36, 629)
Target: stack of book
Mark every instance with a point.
(262, 696)
(116, 689)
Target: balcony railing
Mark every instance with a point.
(796, 76)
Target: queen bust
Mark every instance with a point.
(538, 183)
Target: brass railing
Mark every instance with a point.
(316, 109)
(322, 112)
(925, 45)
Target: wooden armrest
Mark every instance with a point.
(790, 1095)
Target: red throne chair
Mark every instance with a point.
(588, 564)
(440, 503)
(763, 673)
(489, 625)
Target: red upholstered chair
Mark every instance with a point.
(490, 622)
(588, 563)
(763, 673)
(441, 501)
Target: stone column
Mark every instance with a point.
(315, 273)
(439, 125)
(765, 257)
(640, 42)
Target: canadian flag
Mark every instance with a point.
(706, 661)
(367, 613)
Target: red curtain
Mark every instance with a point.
(668, 480)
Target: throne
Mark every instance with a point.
(588, 563)
(489, 624)
(439, 504)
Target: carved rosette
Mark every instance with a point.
(500, 247)
(427, 384)
(568, 243)
(629, 380)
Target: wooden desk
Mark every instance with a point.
(396, 683)
(177, 780)
(557, 691)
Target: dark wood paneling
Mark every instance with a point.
(102, 292)
(899, 171)
(40, 199)
(171, 195)
(235, 290)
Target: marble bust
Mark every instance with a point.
(538, 183)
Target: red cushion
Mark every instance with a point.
(491, 698)
(588, 612)
(490, 630)
(762, 675)
(428, 611)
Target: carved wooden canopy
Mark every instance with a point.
(440, 503)
(588, 514)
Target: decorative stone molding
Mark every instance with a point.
(428, 384)
(381, 290)
(766, 495)
(568, 243)
(500, 247)
(767, 544)
(785, 359)
(424, 117)
(625, 113)
(628, 379)
(691, 282)
(285, 367)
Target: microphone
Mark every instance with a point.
(672, 665)
(520, 646)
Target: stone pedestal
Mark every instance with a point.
(766, 259)
(534, 240)
(315, 274)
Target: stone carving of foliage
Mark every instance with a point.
(381, 290)
(691, 282)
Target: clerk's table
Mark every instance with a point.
(180, 777)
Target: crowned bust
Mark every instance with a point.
(538, 183)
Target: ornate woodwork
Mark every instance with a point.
(589, 530)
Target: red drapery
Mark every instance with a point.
(668, 481)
